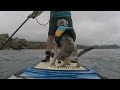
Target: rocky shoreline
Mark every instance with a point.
(19, 44)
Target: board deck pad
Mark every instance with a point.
(46, 65)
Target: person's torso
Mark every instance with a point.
(60, 14)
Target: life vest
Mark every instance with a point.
(67, 32)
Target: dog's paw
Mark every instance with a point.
(78, 65)
(62, 66)
(67, 63)
(52, 65)
(58, 66)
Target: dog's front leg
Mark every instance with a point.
(60, 65)
(78, 64)
(55, 55)
(65, 62)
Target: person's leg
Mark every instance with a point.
(49, 47)
(50, 39)
(50, 43)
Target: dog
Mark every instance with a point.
(64, 38)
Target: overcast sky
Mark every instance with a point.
(92, 27)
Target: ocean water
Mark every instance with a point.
(105, 62)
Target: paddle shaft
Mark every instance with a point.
(86, 50)
(14, 33)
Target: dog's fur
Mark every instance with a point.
(68, 48)
(70, 56)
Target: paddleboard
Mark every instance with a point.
(43, 70)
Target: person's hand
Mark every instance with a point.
(31, 16)
(35, 14)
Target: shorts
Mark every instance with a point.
(53, 24)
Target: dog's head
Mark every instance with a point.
(62, 22)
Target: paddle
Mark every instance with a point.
(86, 50)
(14, 33)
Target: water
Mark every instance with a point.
(105, 62)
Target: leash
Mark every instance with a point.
(42, 24)
(45, 23)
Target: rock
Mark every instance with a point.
(4, 36)
(18, 44)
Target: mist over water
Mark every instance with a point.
(105, 62)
